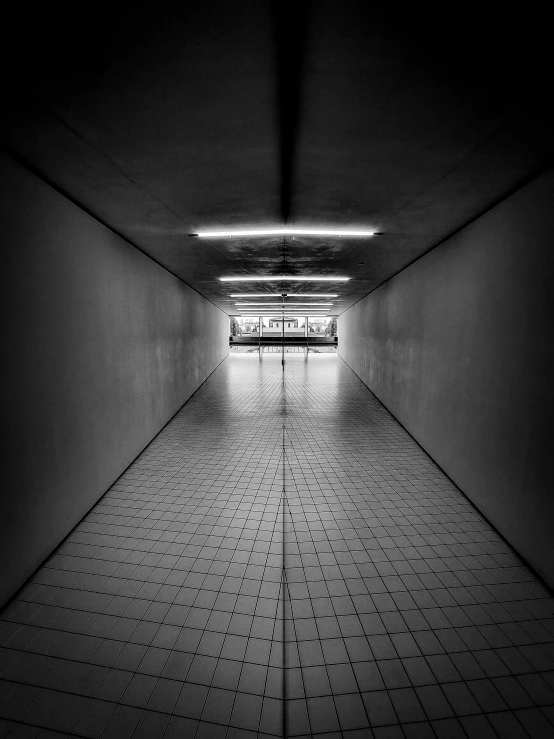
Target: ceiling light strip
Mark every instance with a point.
(284, 278)
(282, 312)
(300, 311)
(280, 295)
(284, 232)
(280, 315)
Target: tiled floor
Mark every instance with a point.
(161, 615)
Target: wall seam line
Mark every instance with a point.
(515, 189)
(16, 592)
(529, 566)
(24, 164)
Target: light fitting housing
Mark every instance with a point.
(284, 232)
(284, 278)
(280, 295)
(282, 312)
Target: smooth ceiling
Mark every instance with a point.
(162, 122)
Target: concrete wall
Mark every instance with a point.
(458, 347)
(101, 347)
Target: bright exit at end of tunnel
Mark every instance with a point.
(283, 333)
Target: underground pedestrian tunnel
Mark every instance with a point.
(277, 372)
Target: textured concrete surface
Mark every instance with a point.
(458, 347)
(163, 122)
(282, 559)
(101, 347)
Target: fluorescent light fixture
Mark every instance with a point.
(285, 305)
(283, 232)
(277, 306)
(282, 313)
(284, 278)
(280, 295)
(268, 309)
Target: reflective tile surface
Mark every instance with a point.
(282, 559)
